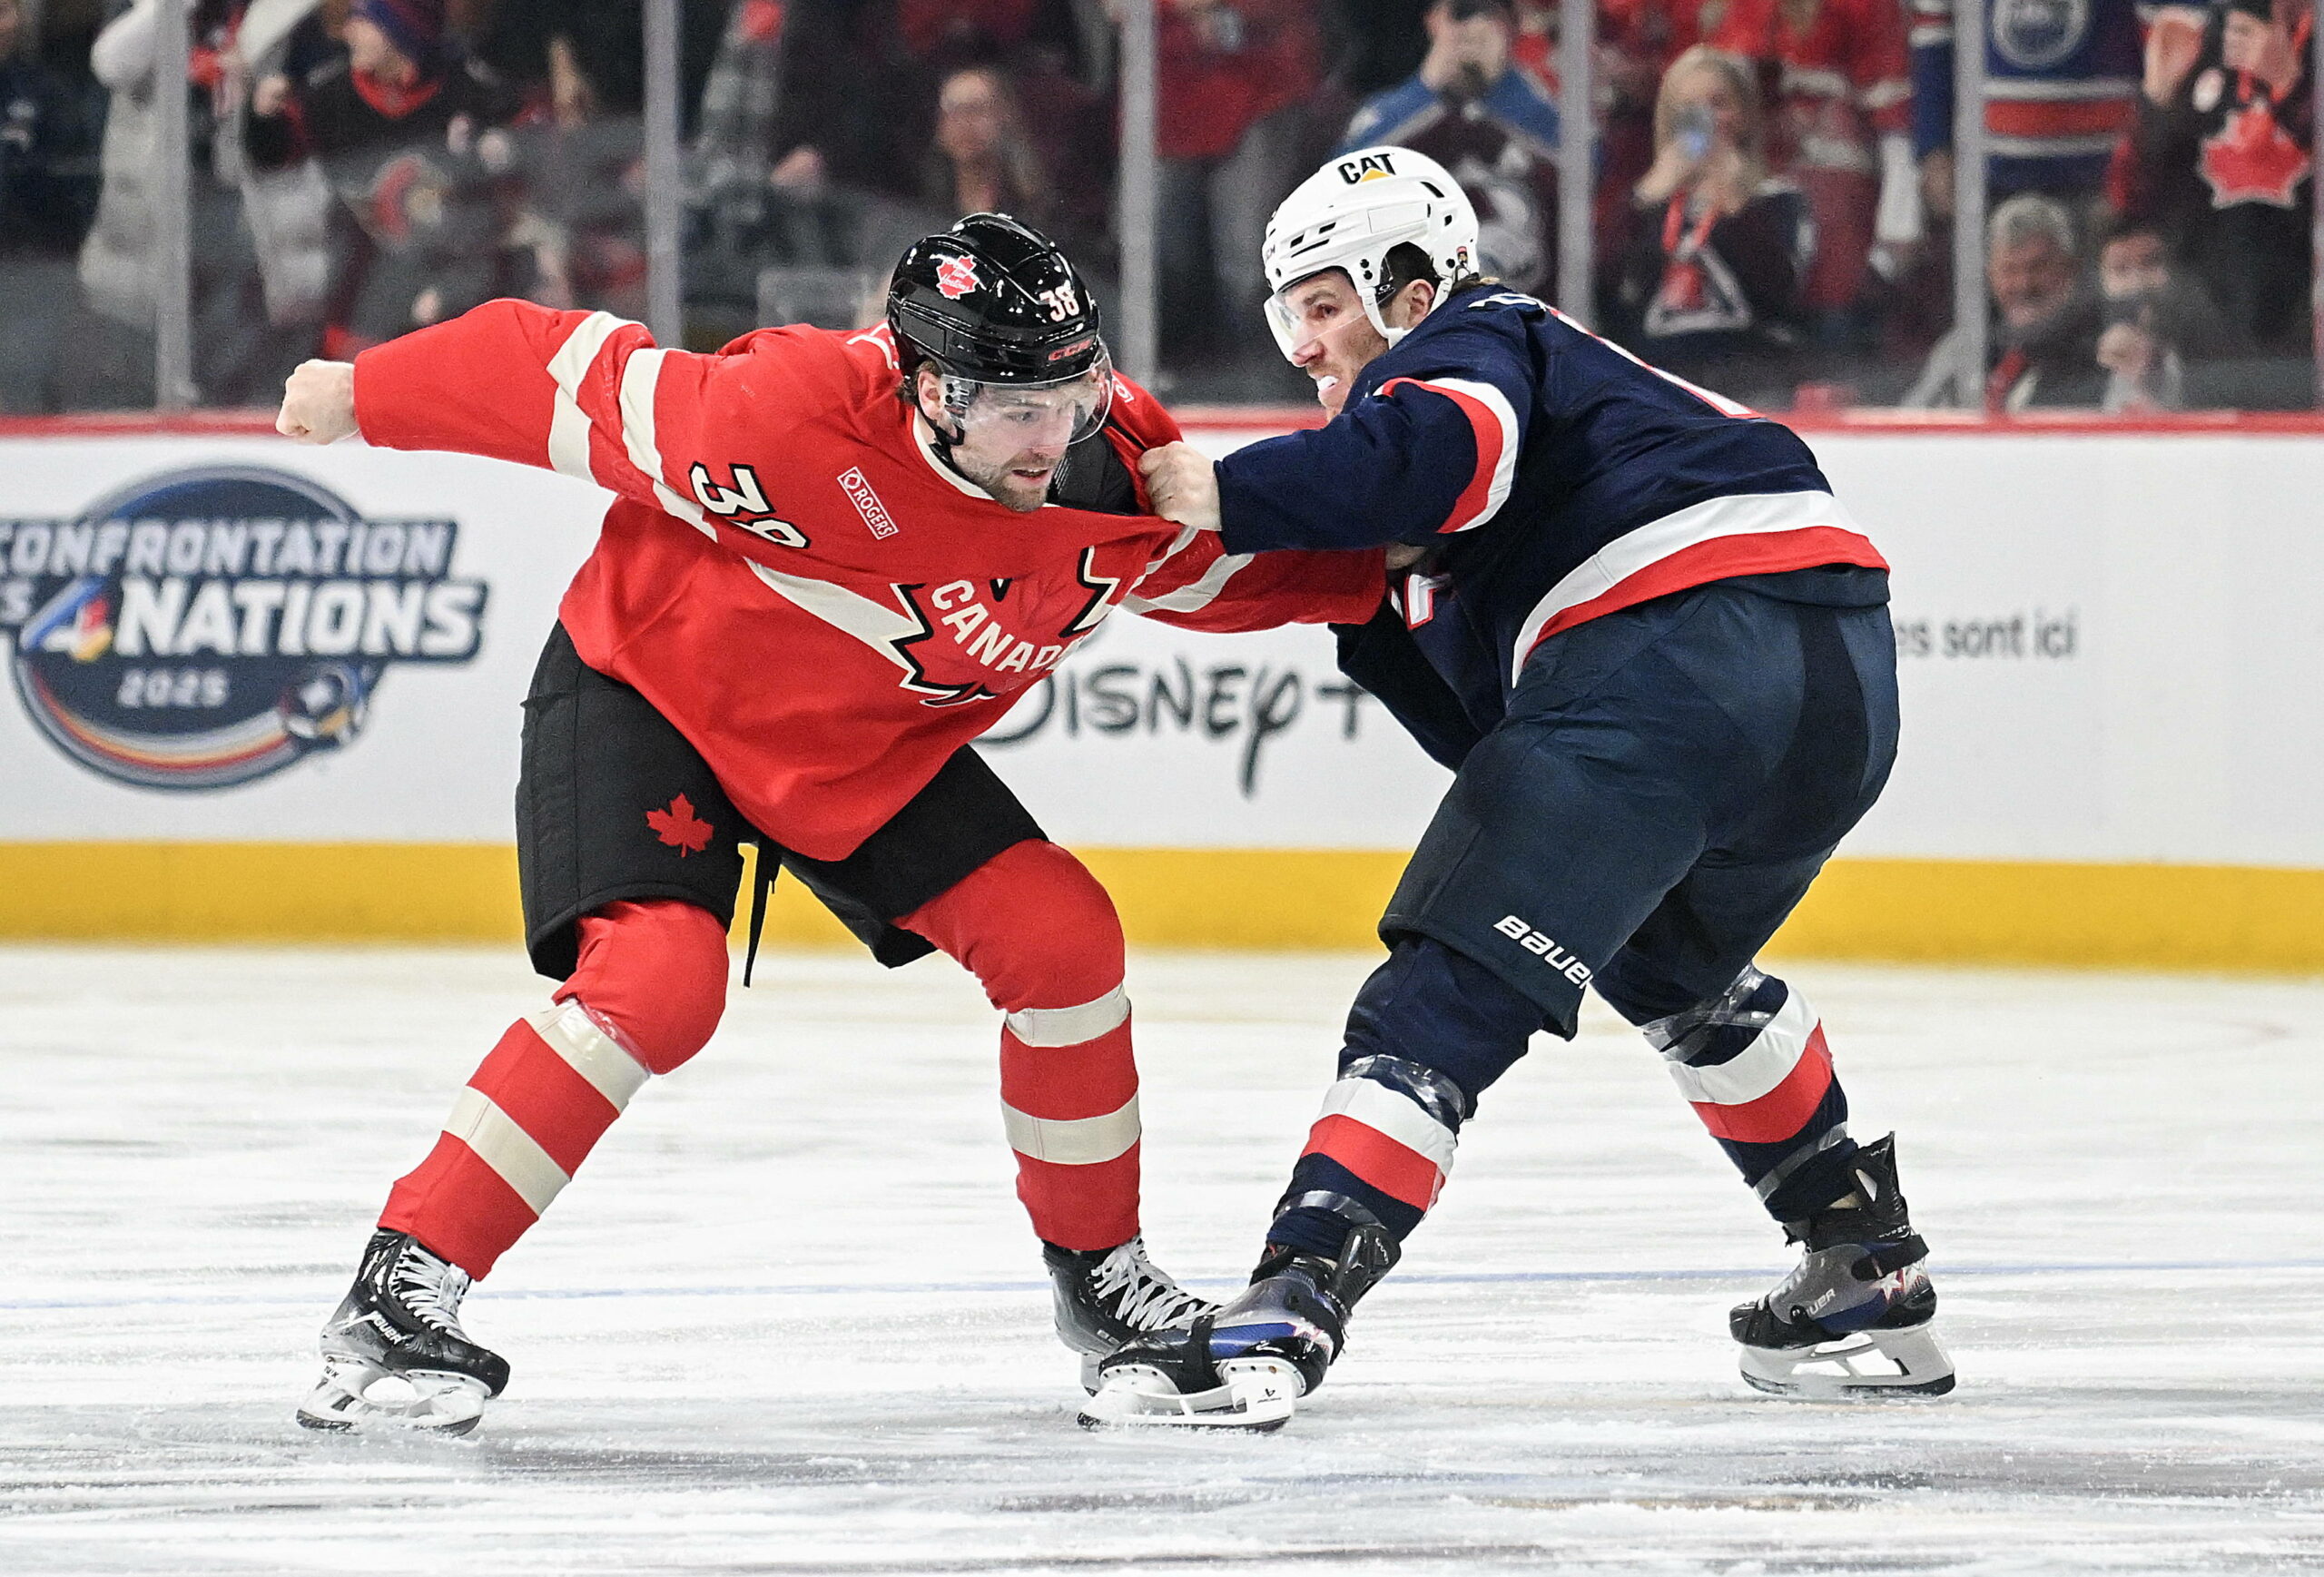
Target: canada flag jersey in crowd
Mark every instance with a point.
(792, 574)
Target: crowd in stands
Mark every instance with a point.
(1772, 217)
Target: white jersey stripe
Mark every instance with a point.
(477, 1123)
(639, 379)
(876, 624)
(1742, 515)
(1070, 1025)
(569, 424)
(1504, 466)
(2056, 147)
(1195, 594)
(569, 1032)
(1076, 1142)
(2091, 89)
(1766, 1062)
(1398, 1116)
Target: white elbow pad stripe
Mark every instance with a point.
(1766, 1062)
(1197, 594)
(639, 379)
(507, 1149)
(1391, 1112)
(568, 424)
(1503, 430)
(1079, 1142)
(569, 1032)
(1070, 1025)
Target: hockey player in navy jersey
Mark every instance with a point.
(1656, 652)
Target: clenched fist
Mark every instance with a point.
(318, 404)
(1182, 484)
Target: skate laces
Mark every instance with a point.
(1140, 1295)
(431, 1289)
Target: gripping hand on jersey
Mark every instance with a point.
(1184, 487)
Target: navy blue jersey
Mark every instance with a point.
(1553, 476)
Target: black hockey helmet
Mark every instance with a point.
(1000, 311)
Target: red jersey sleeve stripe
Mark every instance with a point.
(569, 428)
(1495, 423)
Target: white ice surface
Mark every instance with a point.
(789, 1320)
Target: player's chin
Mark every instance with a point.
(1024, 491)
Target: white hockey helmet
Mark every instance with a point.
(1351, 214)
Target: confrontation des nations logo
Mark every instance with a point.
(209, 626)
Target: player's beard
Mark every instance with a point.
(1348, 350)
(1022, 494)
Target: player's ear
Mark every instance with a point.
(1409, 305)
(928, 396)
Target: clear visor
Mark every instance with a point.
(1291, 332)
(1032, 415)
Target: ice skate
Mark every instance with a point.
(394, 1354)
(1106, 1297)
(1856, 1317)
(1247, 1364)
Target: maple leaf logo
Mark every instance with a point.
(2250, 160)
(679, 828)
(956, 277)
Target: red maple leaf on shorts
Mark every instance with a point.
(679, 828)
(2252, 159)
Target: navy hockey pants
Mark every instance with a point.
(1666, 783)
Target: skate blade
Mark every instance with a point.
(1258, 1395)
(355, 1395)
(1870, 1364)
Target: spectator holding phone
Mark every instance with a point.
(1709, 279)
(410, 132)
(1489, 122)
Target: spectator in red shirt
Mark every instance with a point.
(1233, 78)
(1842, 103)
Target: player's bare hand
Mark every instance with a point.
(1183, 484)
(318, 404)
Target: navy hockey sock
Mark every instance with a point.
(1754, 1065)
(1430, 1031)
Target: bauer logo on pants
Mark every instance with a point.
(210, 627)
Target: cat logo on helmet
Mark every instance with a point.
(1366, 167)
(956, 277)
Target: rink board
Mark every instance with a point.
(2107, 652)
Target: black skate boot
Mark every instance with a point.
(1245, 1365)
(1854, 1319)
(394, 1353)
(1106, 1297)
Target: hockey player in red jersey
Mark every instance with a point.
(833, 560)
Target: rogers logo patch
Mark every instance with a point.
(867, 504)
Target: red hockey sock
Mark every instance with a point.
(645, 997)
(1035, 928)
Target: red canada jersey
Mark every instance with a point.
(792, 575)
